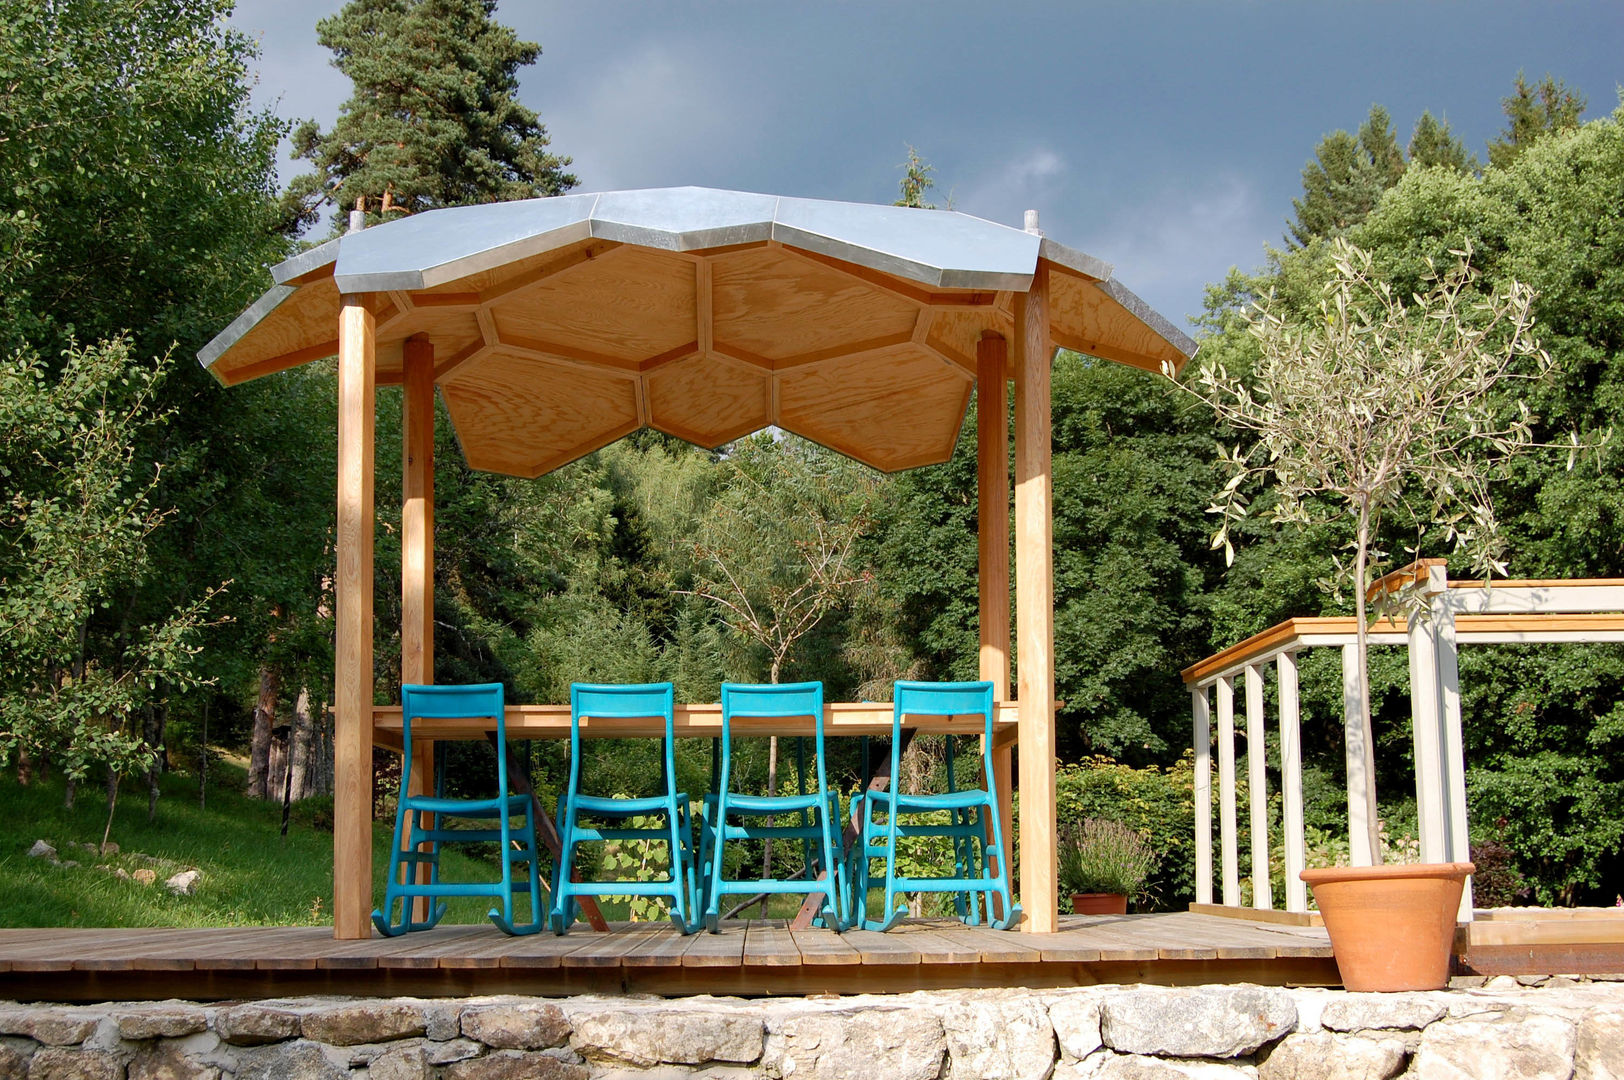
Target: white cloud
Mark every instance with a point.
(1168, 245)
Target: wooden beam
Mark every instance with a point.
(352, 676)
(417, 554)
(1034, 607)
(992, 548)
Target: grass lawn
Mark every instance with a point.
(252, 875)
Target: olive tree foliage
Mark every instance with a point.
(1375, 408)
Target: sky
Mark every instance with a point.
(1166, 138)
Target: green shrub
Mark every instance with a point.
(1157, 803)
(1101, 856)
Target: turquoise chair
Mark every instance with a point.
(481, 701)
(818, 811)
(636, 701)
(973, 817)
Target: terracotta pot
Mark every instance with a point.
(1391, 927)
(1099, 903)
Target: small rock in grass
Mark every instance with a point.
(184, 883)
(42, 850)
(145, 876)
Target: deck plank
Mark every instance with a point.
(717, 950)
(819, 948)
(768, 943)
(605, 950)
(663, 948)
(877, 948)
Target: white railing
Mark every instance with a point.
(1457, 613)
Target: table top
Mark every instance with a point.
(702, 721)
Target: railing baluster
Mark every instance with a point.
(1257, 782)
(1226, 791)
(1201, 712)
(1291, 781)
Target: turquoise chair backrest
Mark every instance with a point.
(455, 702)
(766, 699)
(942, 699)
(631, 701)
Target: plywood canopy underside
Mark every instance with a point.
(549, 356)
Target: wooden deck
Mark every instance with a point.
(751, 958)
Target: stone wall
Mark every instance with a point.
(1562, 1028)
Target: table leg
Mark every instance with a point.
(876, 778)
(546, 831)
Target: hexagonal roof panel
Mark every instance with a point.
(760, 295)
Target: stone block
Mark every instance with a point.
(516, 1065)
(170, 1020)
(59, 1063)
(895, 1043)
(1599, 1052)
(1008, 1037)
(677, 1036)
(50, 1026)
(170, 1062)
(364, 1022)
(1505, 1049)
(1375, 1012)
(1127, 1067)
(14, 1060)
(1076, 1022)
(1324, 1056)
(404, 1061)
(288, 1061)
(516, 1027)
(1206, 1021)
(255, 1025)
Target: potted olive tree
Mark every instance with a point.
(1375, 409)
(1102, 866)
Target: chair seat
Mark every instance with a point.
(513, 804)
(769, 804)
(601, 806)
(921, 804)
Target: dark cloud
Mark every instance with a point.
(1165, 138)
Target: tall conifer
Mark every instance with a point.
(434, 120)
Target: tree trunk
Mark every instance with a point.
(302, 746)
(70, 791)
(152, 733)
(203, 759)
(1361, 567)
(259, 754)
(25, 767)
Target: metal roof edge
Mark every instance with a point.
(1148, 315)
(306, 261)
(268, 301)
(1080, 261)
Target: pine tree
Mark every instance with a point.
(1346, 178)
(1432, 143)
(434, 120)
(1532, 111)
(915, 182)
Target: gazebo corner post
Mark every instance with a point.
(1034, 608)
(417, 556)
(992, 542)
(352, 669)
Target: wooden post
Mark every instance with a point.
(1258, 788)
(1034, 608)
(417, 555)
(1201, 717)
(1229, 844)
(1291, 781)
(352, 676)
(992, 536)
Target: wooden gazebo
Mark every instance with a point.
(554, 326)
